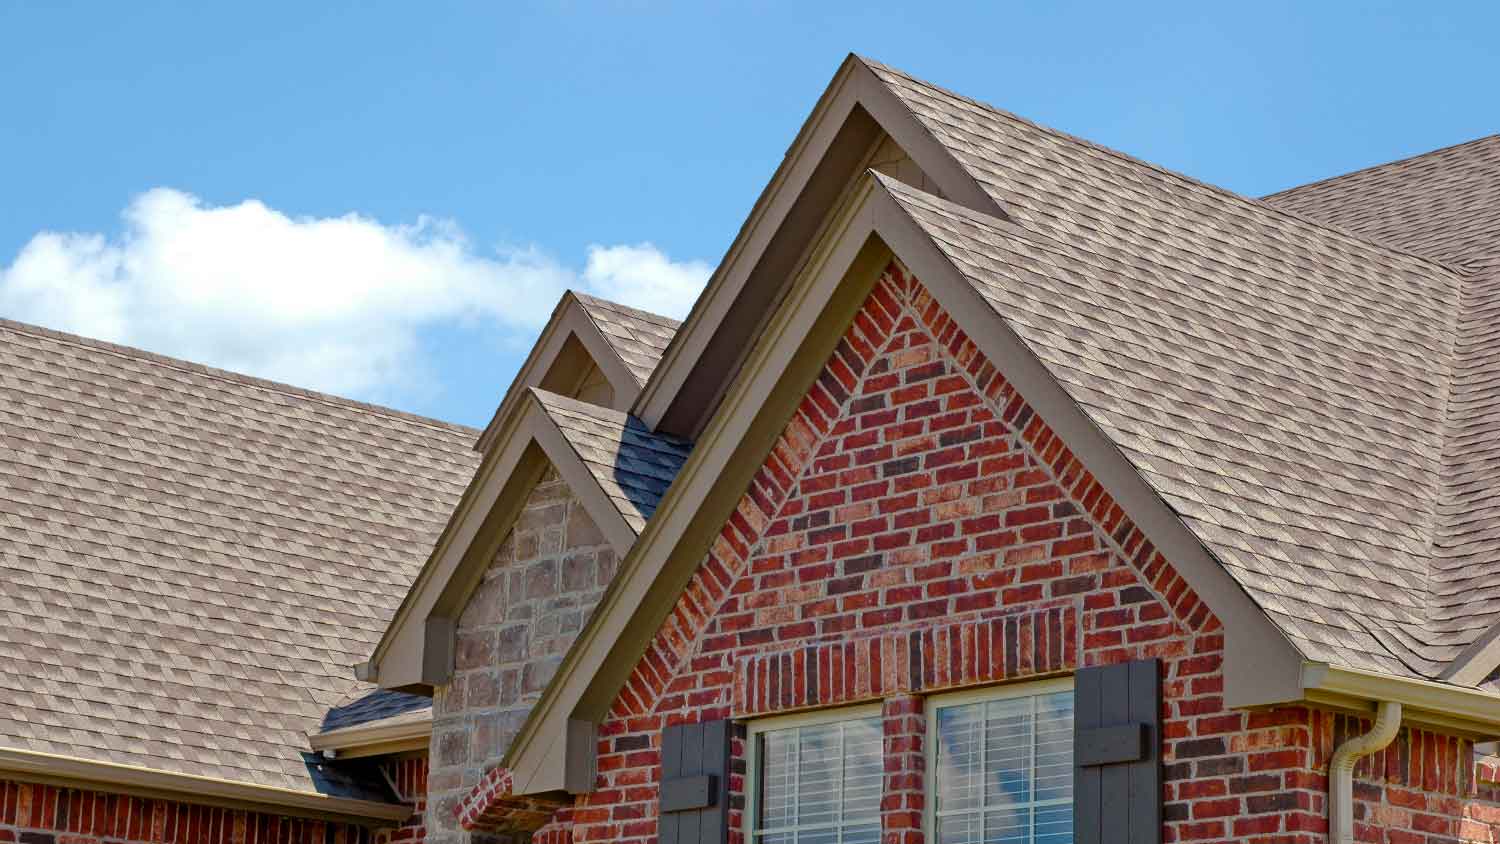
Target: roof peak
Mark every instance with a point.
(639, 313)
(137, 353)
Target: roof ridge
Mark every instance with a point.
(1167, 171)
(137, 353)
(1392, 163)
(640, 313)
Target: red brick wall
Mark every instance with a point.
(45, 814)
(408, 776)
(915, 491)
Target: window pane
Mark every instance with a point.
(820, 784)
(819, 765)
(958, 760)
(1003, 771)
(864, 773)
(1007, 751)
(777, 790)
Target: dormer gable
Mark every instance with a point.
(592, 350)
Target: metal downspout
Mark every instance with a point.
(1341, 770)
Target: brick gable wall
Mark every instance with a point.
(532, 601)
(914, 492)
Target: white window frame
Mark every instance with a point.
(1033, 688)
(774, 723)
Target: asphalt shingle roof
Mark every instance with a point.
(638, 337)
(1286, 385)
(1446, 204)
(191, 560)
(633, 465)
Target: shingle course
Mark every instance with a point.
(1292, 388)
(192, 561)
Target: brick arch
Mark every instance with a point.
(972, 428)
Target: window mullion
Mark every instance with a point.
(1031, 778)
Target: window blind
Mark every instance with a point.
(1003, 773)
(820, 784)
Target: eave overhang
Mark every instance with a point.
(77, 772)
(401, 734)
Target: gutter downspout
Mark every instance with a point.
(1341, 770)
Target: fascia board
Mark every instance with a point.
(1442, 705)
(405, 733)
(1262, 668)
(854, 86)
(76, 772)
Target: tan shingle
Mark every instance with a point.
(191, 561)
(638, 337)
(1305, 397)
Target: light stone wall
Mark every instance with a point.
(533, 600)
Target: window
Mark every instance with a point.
(817, 778)
(1000, 765)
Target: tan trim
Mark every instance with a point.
(75, 772)
(769, 250)
(1264, 666)
(706, 489)
(416, 651)
(1477, 661)
(553, 366)
(1471, 712)
(376, 739)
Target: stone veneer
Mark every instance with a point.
(534, 598)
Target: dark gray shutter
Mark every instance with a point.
(1117, 754)
(694, 800)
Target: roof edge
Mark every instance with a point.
(1427, 702)
(389, 735)
(781, 229)
(1369, 168)
(570, 319)
(227, 375)
(74, 771)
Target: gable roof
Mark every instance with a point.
(638, 337)
(625, 343)
(1284, 383)
(616, 467)
(1320, 405)
(1268, 395)
(192, 560)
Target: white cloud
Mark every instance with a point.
(643, 277)
(336, 303)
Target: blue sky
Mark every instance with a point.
(384, 199)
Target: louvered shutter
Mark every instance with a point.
(1117, 754)
(694, 799)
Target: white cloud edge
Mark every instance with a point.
(336, 304)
